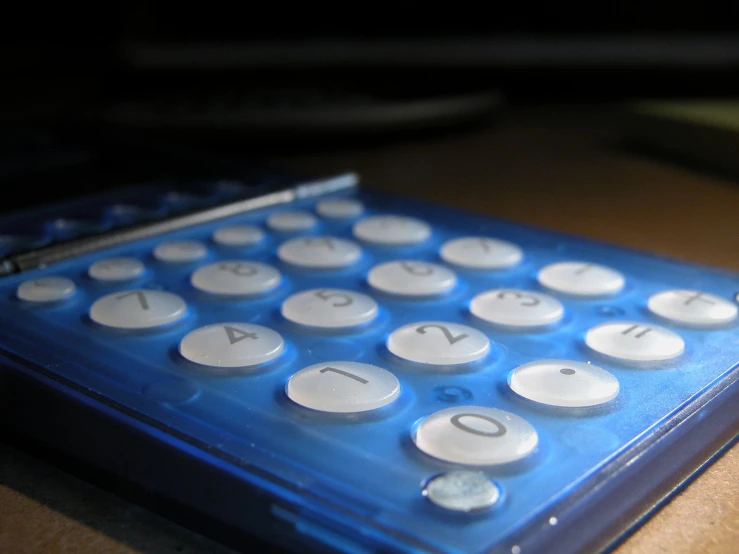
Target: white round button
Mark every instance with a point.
(116, 269)
(412, 278)
(438, 343)
(339, 208)
(692, 308)
(481, 253)
(343, 387)
(138, 309)
(238, 235)
(236, 278)
(563, 383)
(635, 341)
(231, 345)
(180, 251)
(329, 308)
(517, 308)
(291, 221)
(462, 491)
(581, 279)
(393, 230)
(319, 252)
(46, 289)
(475, 435)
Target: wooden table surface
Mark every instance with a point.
(562, 171)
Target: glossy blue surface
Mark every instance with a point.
(367, 464)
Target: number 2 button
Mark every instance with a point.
(438, 343)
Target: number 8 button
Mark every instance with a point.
(475, 435)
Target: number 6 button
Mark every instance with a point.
(438, 343)
(343, 387)
(475, 435)
(411, 278)
(329, 308)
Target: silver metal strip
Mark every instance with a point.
(54, 253)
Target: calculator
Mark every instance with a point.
(336, 370)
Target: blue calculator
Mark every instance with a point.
(336, 370)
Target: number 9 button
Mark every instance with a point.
(438, 343)
(329, 308)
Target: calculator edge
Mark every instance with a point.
(30, 399)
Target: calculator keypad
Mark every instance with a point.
(180, 251)
(475, 435)
(46, 289)
(412, 278)
(343, 387)
(438, 343)
(236, 278)
(692, 308)
(517, 308)
(116, 269)
(565, 383)
(481, 253)
(330, 308)
(581, 279)
(319, 252)
(138, 309)
(635, 341)
(238, 235)
(231, 345)
(392, 230)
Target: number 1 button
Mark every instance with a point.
(438, 343)
(138, 309)
(343, 387)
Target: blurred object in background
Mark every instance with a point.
(209, 72)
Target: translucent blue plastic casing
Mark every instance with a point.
(353, 483)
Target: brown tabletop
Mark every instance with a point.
(560, 171)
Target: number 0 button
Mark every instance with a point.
(329, 308)
(231, 345)
(438, 343)
(343, 387)
(138, 309)
(475, 435)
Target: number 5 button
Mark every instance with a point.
(329, 308)
(343, 387)
(475, 435)
(438, 343)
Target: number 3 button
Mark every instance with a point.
(438, 343)
(329, 308)
(517, 308)
(343, 387)
(475, 435)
